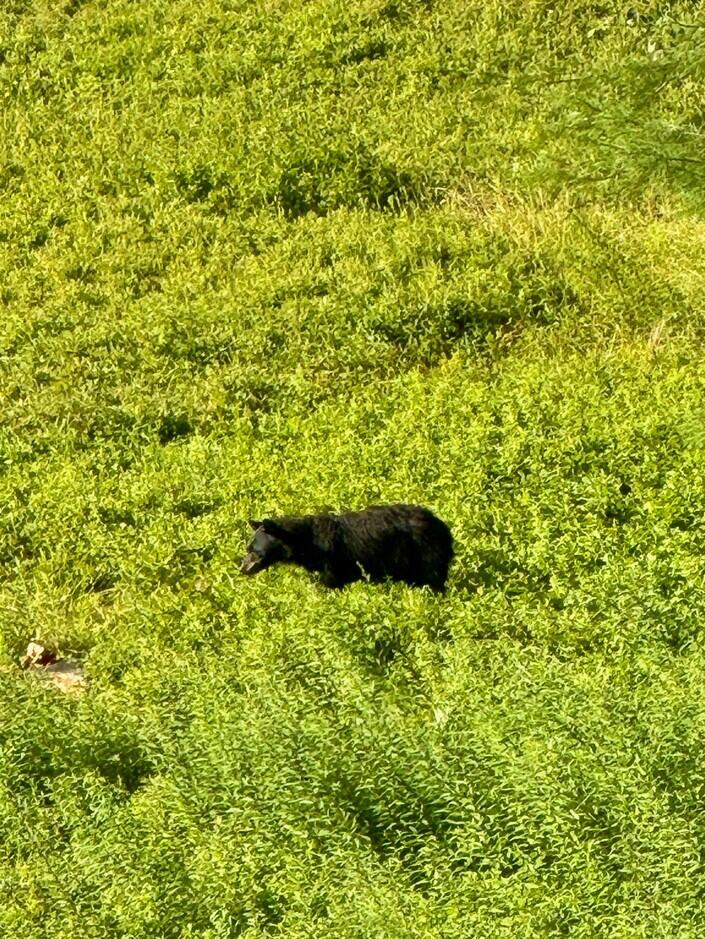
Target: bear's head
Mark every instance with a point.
(272, 542)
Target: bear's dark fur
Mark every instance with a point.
(384, 542)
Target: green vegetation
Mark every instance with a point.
(260, 258)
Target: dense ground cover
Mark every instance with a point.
(284, 257)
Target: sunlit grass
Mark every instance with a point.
(289, 258)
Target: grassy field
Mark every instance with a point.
(259, 258)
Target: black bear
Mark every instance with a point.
(395, 542)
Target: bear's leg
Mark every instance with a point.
(337, 577)
(330, 578)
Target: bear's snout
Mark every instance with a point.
(249, 564)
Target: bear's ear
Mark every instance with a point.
(255, 524)
(275, 528)
(272, 528)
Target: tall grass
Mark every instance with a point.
(262, 258)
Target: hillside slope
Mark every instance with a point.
(260, 258)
